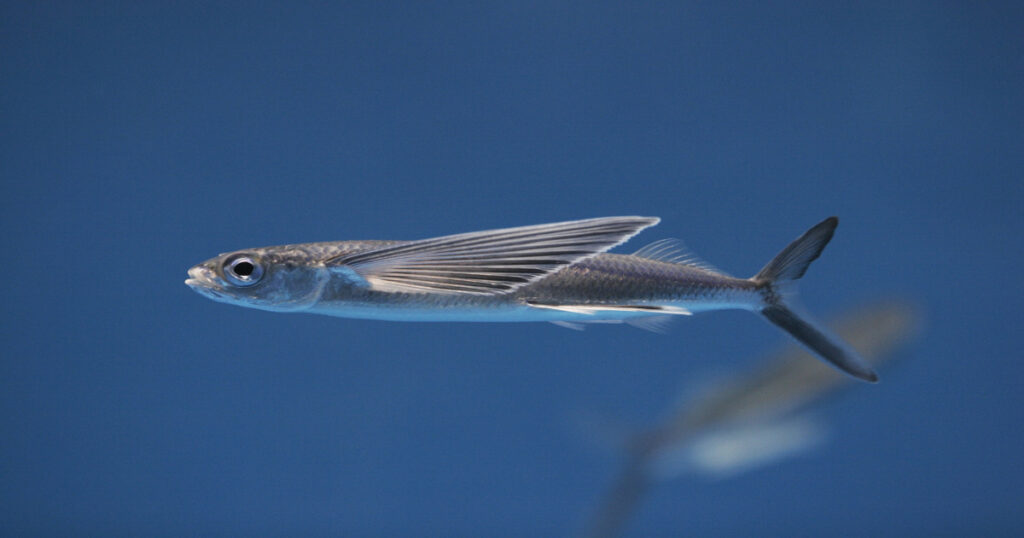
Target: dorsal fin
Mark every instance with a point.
(673, 250)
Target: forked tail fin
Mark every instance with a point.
(778, 276)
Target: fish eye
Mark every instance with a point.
(242, 270)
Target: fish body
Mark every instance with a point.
(594, 286)
(556, 272)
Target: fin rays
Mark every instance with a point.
(491, 262)
(673, 250)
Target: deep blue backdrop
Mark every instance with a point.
(139, 139)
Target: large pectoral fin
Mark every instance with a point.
(491, 262)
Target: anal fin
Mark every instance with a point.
(582, 324)
(655, 324)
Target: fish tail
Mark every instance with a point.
(777, 280)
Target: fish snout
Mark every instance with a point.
(203, 280)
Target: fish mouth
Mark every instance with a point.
(199, 276)
(203, 281)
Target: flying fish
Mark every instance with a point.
(558, 272)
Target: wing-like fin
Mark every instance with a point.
(491, 262)
(674, 251)
(590, 310)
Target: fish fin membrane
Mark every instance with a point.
(655, 324)
(792, 262)
(673, 250)
(832, 349)
(570, 325)
(779, 280)
(492, 262)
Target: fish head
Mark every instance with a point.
(279, 279)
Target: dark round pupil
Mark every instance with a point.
(243, 268)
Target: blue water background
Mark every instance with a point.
(140, 138)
